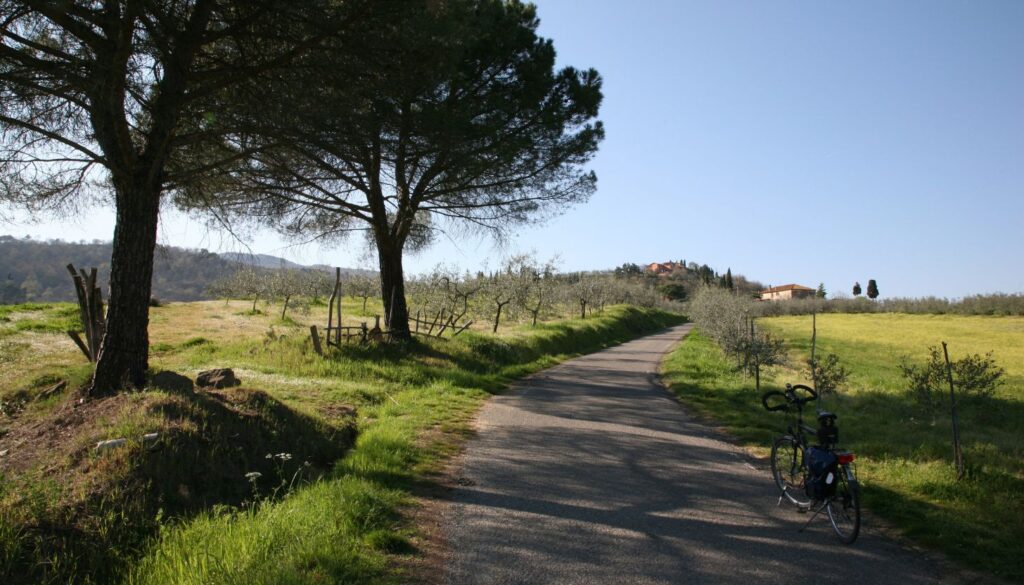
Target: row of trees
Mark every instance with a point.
(728, 318)
(292, 287)
(528, 290)
(523, 288)
(397, 120)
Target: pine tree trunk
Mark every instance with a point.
(392, 285)
(124, 352)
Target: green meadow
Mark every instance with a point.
(904, 449)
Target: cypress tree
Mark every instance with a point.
(856, 289)
(872, 289)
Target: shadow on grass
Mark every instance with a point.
(108, 504)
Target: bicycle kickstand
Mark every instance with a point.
(814, 515)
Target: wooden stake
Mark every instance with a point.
(337, 284)
(330, 306)
(81, 345)
(814, 346)
(315, 336)
(958, 454)
(90, 311)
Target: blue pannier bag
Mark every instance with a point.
(822, 466)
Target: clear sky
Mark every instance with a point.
(796, 142)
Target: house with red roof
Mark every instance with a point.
(787, 292)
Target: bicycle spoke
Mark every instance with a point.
(844, 507)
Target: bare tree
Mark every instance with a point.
(285, 284)
(316, 284)
(504, 287)
(539, 295)
(582, 290)
(364, 286)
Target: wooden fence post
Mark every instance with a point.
(315, 336)
(90, 311)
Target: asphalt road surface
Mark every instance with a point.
(591, 473)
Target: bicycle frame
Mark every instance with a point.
(791, 475)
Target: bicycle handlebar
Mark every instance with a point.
(789, 396)
(781, 406)
(790, 391)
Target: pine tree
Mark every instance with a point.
(728, 279)
(856, 289)
(821, 291)
(872, 289)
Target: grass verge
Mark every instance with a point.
(414, 414)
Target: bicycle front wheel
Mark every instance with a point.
(844, 507)
(788, 469)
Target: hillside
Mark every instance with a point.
(35, 271)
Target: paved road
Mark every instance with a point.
(591, 473)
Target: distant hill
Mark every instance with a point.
(273, 263)
(34, 270)
(259, 260)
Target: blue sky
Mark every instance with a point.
(797, 142)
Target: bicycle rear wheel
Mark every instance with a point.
(844, 507)
(788, 469)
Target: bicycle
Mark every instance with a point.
(832, 484)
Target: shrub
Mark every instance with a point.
(975, 377)
(827, 373)
(726, 318)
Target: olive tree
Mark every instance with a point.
(364, 286)
(540, 292)
(284, 285)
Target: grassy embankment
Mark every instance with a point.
(904, 451)
(339, 523)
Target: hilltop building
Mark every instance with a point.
(664, 268)
(787, 292)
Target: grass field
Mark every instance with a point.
(186, 513)
(905, 452)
